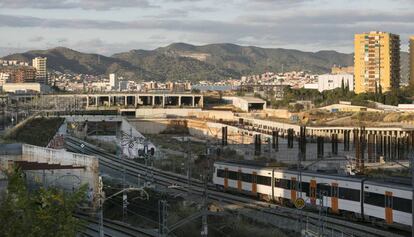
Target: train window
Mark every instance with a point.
(324, 190)
(246, 177)
(374, 199)
(402, 204)
(305, 188)
(220, 173)
(282, 183)
(233, 175)
(349, 194)
(263, 180)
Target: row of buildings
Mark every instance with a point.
(115, 83)
(12, 71)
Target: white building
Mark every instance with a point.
(41, 70)
(25, 87)
(113, 81)
(311, 86)
(247, 104)
(332, 81)
(4, 77)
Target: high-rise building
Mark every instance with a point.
(412, 60)
(41, 71)
(376, 61)
(113, 81)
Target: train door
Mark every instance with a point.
(388, 207)
(293, 188)
(254, 182)
(226, 178)
(239, 180)
(334, 198)
(312, 193)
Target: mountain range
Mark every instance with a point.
(180, 61)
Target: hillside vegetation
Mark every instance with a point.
(181, 61)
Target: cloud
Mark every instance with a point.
(70, 4)
(303, 24)
(36, 39)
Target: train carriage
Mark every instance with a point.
(385, 201)
(388, 201)
(338, 193)
(253, 180)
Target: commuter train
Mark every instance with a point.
(375, 201)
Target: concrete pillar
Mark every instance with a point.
(179, 101)
(193, 102)
(126, 100)
(153, 100)
(87, 101)
(163, 101)
(96, 101)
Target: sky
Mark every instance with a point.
(112, 26)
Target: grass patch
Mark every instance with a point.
(37, 131)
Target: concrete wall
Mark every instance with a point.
(214, 115)
(278, 113)
(152, 126)
(67, 179)
(164, 113)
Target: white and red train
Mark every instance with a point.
(371, 200)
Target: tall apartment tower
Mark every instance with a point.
(113, 81)
(377, 61)
(41, 71)
(412, 60)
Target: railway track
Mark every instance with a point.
(113, 228)
(165, 178)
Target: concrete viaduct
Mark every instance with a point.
(125, 100)
(266, 126)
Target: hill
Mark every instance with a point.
(70, 61)
(180, 61)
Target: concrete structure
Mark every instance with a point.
(164, 113)
(377, 61)
(126, 102)
(50, 167)
(412, 60)
(25, 87)
(148, 99)
(41, 70)
(332, 81)
(406, 107)
(267, 126)
(348, 108)
(246, 104)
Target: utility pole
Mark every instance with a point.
(162, 218)
(188, 166)
(204, 224)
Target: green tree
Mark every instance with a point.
(44, 212)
